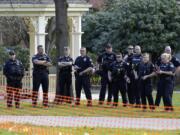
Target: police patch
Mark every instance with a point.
(172, 66)
(84, 59)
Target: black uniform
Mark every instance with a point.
(105, 60)
(137, 58)
(130, 74)
(118, 81)
(145, 86)
(14, 72)
(40, 76)
(133, 91)
(166, 85)
(65, 79)
(83, 81)
(176, 62)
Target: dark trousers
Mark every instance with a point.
(13, 91)
(83, 82)
(165, 89)
(131, 94)
(40, 78)
(136, 91)
(65, 82)
(146, 94)
(104, 83)
(158, 95)
(119, 86)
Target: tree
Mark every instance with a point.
(61, 32)
(152, 24)
(14, 31)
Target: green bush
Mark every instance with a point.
(152, 24)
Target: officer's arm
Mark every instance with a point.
(167, 73)
(151, 75)
(39, 62)
(47, 64)
(62, 64)
(89, 69)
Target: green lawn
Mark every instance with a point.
(82, 110)
(39, 130)
(6, 132)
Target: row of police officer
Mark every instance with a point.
(130, 75)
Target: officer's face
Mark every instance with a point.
(130, 50)
(137, 50)
(145, 59)
(40, 50)
(83, 51)
(109, 50)
(12, 56)
(119, 58)
(167, 50)
(66, 51)
(164, 59)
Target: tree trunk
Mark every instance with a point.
(61, 33)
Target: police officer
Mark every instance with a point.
(136, 59)
(145, 73)
(130, 74)
(65, 76)
(14, 72)
(119, 79)
(166, 82)
(83, 68)
(104, 61)
(175, 61)
(41, 62)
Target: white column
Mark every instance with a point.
(76, 34)
(41, 28)
(37, 34)
(75, 41)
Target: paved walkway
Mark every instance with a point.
(105, 122)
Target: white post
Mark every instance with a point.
(75, 41)
(41, 28)
(76, 35)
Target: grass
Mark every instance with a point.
(82, 110)
(11, 129)
(6, 132)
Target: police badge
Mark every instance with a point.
(84, 59)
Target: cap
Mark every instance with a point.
(108, 46)
(11, 52)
